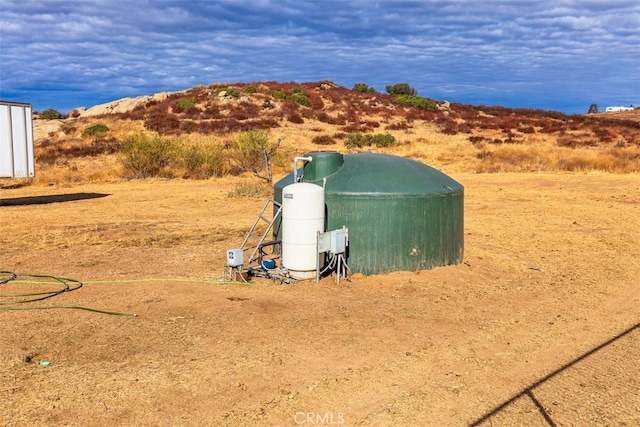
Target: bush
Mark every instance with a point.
(323, 140)
(295, 117)
(360, 140)
(254, 152)
(50, 114)
(233, 93)
(356, 139)
(143, 156)
(363, 87)
(277, 94)
(250, 89)
(415, 102)
(301, 99)
(186, 103)
(202, 161)
(401, 89)
(161, 121)
(404, 125)
(95, 129)
(52, 152)
(383, 140)
(316, 101)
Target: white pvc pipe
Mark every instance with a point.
(295, 166)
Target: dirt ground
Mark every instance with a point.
(539, 326)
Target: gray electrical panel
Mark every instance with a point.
(339, 241)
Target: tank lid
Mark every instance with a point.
(370, 173)
(322, 165)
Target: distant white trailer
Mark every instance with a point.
(616, 109)
(16, 140)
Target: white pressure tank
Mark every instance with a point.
(302, 218)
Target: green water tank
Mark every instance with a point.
(402, 215)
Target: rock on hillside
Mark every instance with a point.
(123, 105)
(43, 128)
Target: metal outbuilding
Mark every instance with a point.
(16, 140)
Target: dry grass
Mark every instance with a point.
(250, 188)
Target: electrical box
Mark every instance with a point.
(339, 241)
(324, 241)
(235, 257)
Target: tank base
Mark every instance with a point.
(302, 275)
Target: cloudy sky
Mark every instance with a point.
(557, 55)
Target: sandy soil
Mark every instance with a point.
(538, 326)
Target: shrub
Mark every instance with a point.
(202, 161)
(295, 117)
(254, 152)
(163, 122)
(68, 128)
(464, 127)
(316, 101)
(186, 103)
(50, 114)
(95, 129)
(401, 89)
(478, 140)
(526, 129)
(143, 156)
(355, 127)
(323, 140)
(212, 111)
(415, 102)
(363, 88)
(243, 111)
(250, 89)
(360, 140)
(233, 93)
(326, 118)
(404, 125)
(301, 99)
(277, 94)
(355, 139)
(448, 127)
(358, 126)
(383, 140)
(50, 152)
(289, 108)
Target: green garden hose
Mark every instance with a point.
(15, 301)
(67, 285)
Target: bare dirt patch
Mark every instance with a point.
(513, 336)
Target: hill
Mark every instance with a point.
(323, 115)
